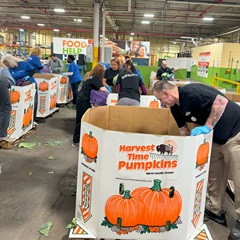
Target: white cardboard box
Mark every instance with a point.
(21, 119)
(64, 89)
(137, 152)
(145, 100)
(47, 94)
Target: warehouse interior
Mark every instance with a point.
(38, 181)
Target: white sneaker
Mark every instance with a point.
(76, 145)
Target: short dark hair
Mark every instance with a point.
(129, 63)
(161, 85)
(53, 55)
(71, 57)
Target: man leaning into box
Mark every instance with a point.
(209, 108)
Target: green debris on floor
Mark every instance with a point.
(29, 145)
(45, 228)
(52, 142)
(51, 158)
(72, 224)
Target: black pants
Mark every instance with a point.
(5, 106)
(75, 91)
(81, 108)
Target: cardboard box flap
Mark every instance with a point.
(132, 119)
(45, 76)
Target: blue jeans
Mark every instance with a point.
(75, 91)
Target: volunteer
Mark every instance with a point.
(55, 64)
(21, 70)
(163, 69)
(208, 107)
(75, 78)
(92, 80)
(6, 81)
(34, 60)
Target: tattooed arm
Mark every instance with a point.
(218, 108)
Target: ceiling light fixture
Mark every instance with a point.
(41, 24)
(69, 34)
(148, 15)
(145, 22)
(132, 34)
(59, 10)
(77, 20)
(56, 30)
(208, 18)
(25, 17)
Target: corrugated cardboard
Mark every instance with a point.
(21, 118)
(127, 148)
(47, 98)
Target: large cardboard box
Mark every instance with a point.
(21, 119)
(145, 100)
(64, 89)
(47, 94)
(137, 179)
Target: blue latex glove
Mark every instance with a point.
(55, 69)
(108, 88)
(200, 130)
(26, 78)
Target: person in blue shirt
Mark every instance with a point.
(34, 60)
(75, 78)
(21, 70)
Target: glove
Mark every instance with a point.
(108, 88)
(55, 69)
(26, 78)
(200, 130)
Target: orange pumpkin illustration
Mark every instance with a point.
(89, 145)
(53, 101)
(27, 117)
(63, 80)
(154, 104)
(43, 86)
(15, 96)
(202, 153)
(124, 210)
(162, 206)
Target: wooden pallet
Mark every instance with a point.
(43, 119)
(26, 135)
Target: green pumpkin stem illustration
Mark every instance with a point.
(156, 185)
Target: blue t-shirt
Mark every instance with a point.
(22, 71)
(76, 77)
(35, 62)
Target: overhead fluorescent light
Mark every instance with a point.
(56, 30)
(145, 22)
(25, 17)
(132, 34)
(69, 34)
(186, 37)
(59, 10)
(148, 15)
(41, 24)
(208, 18)
(21, 30)
(78, 20)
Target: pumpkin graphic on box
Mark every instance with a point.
(154, 104)
(202, 154)
(43, 86)
(14, 96)
(63, 80)
(118, 210)
(53, 101)
(166, 202)
(145, 210)
(27, 117)
(89, 147)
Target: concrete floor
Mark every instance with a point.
(30, 194)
